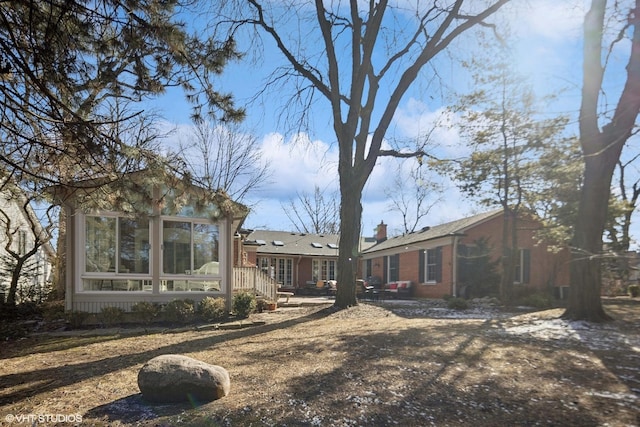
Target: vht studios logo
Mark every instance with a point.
(43, 418)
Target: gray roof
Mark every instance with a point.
(292, 243)
(457, 227)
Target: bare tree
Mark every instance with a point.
(622, 206)
(318, 213)
(413, 195)
(19, 249)
(361, 59)
(223, 157)
(601, 148)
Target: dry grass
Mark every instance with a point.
(372, 365)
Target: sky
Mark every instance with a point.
(548, 53)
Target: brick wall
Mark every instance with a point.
(546, 269)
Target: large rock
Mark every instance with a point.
(174, 378)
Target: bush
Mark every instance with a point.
(446, 297)
(633, 291)
(537, 300)
(244, 303)
(52, 310)
(146, 311)
(457, 303)
(13, 331)
(180, 310)
(212, 308)
(262, 305)
(111, 315)
(76, 318)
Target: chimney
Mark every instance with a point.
(381, 232)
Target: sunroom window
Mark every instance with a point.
(116, 246)
(190, 249)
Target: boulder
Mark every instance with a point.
(172, 378)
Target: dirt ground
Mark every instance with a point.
(382, 364)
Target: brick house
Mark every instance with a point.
(434, 259)
(297, 261)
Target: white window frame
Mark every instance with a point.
(324, 269)
(271, 266)
(81, 224)
(190, 280)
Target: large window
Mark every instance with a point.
(393, 273)
(117, 247)
(133, 244)
(172, 248)
(323, 269)
(190, 249)
(432, 266)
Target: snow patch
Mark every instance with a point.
(594, 336)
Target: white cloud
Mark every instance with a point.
(551, 20)
(416, 121)
(299, 164)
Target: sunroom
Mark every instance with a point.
(174, 242)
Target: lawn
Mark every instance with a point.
(382, 364)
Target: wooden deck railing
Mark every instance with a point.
(252, 279)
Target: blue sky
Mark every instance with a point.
(549, 53)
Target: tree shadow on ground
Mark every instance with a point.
(590, 347)
(45, 343)
(41, 380)
(408, 378)
(134, 409)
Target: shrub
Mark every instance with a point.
(146, 311)
(244, 303)
(262, 305)
(537, 300)
(111, 315)
(13, 331)
(76, 318)
(212, 308)
(28, 309)
(52, 310)
(446, 297)
(180, 310)
(456, 303)
(633, 291)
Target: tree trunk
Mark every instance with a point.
(509, 252)
(15, 278)
(350, 224)
(60, 268)
(601, 151)
(586, 279)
